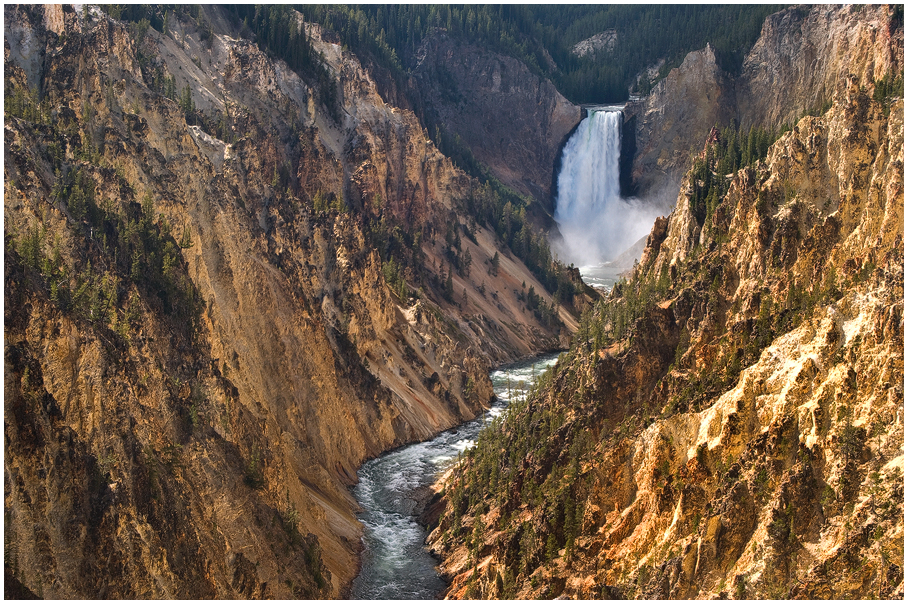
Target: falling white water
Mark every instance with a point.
(596, 223)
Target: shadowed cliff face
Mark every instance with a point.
(824, 44)
(677, 115)
(793, 69)
(513, 121)
(202, 340)
(742, 434)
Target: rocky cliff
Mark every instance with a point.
(512, 121)
(730, 423)
(804, 52)
(665, 126)
(793, 69)
(222, 296)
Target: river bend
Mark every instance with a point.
(395, 563)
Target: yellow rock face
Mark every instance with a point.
(196, 437)
(708, 470)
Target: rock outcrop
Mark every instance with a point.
(680, 110)
(804, 52)
(801, 56)
(603, 40)
(511, 120)
(730, 423)
(202, 340)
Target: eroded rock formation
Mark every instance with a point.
(745, 437)
(799, 60)
(513, 121)
(202, 342)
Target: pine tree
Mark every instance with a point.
(186, 241)
(186, 102)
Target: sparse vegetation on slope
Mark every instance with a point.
(709, 432)
(220, 301)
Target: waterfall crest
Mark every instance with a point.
(596, 223)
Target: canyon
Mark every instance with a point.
(203, 339)
(513, 121)
(229, 283)
(729, 422)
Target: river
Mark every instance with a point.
(395, 563)
(602, 276)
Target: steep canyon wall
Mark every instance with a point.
(202, 341)
(512, 120)
(730, 422)
(794, 68)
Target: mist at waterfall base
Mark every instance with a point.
(596, 224)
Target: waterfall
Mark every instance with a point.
(596, 224)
